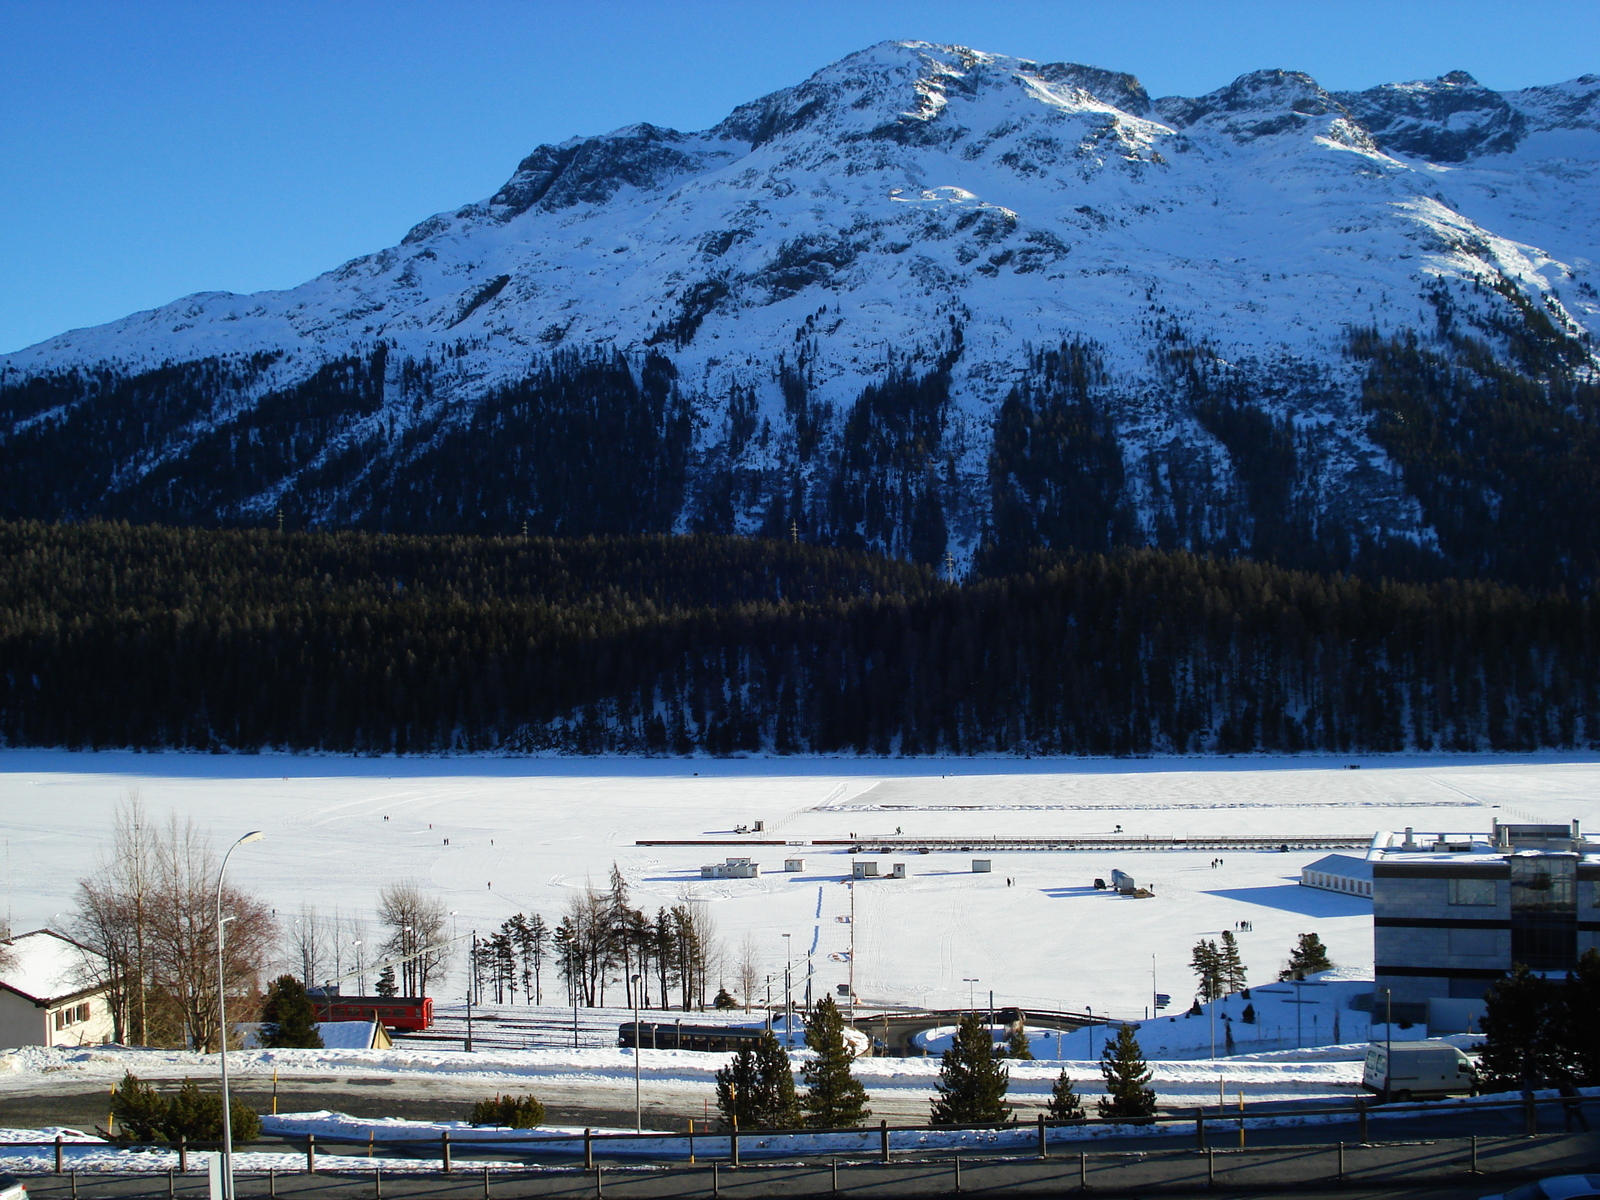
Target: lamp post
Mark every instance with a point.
(361, 970)
(788, 990)
(638, 1043)
(222, 1022)
(972, 1003)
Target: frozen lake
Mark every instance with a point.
(494, 837)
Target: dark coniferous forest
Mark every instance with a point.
(119, 635)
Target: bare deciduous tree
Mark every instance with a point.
(416, 924)
(149, 912)
(115, 913)
(306, 949)
(749, 968)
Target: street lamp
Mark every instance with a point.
(222, 1022)
(638, 1042)
(361, 970)
(788, 991)
(971, 1002)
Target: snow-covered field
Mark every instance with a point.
(493, 837)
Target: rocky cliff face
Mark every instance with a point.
(930, 300)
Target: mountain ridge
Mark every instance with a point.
(830, 315)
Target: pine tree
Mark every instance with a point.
(737, 1090)
(1307, 958)
(1520, 1024)
(834, 1098)
(1064, 1103)
(1579, 1034)
(1248, 1016)
(289, 1019)
(1232, 968)
(1208, 967)
(780, 1106)
(386, 986)
(1123, 1068)
(1018, 1046)
(972, 1079)
(724, 999)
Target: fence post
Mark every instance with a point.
(835, 1166)
(1341, 1162)
(58, 1154)
(1044, 1147)
(1083, 1170)
(169, 1184)
(588, 1149)
(444, 1150)
(1361, 1111)
(883, 1142)
(716, 1187)
(377, 1183)
(958, 1174)
(1472, 1168)
(486, 1183)
(311, 1154)
(1200, 1130)
(183, 1155)
(598, 1187)
(74, 1183)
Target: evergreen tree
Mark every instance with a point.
(1018, 1046)
(1127, 1077)
(1207, 962)
(756, 1090)
(1579, 1034)
(1064, 1103)
(780, 1106)
(972, 1079)
(1248, 1016)
(724, 999)
(289, 1019)
(1521, 1021)
(1231, 967)
(386, 986)
(1307, 958)
(138, 1109)
(834, 1098)
(738, 1098)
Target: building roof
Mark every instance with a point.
(1342, 864)
(47, 966)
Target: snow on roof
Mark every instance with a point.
(347, 1035)
(1342, 864)
(45, 966)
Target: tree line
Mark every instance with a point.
(128, 636)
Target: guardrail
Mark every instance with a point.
(734, 1146)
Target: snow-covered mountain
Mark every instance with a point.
(927, 300)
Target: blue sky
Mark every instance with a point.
(151, 149)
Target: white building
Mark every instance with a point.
(44, 997)
(1339, 873)
(733, 868)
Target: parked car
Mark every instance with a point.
(12, 1188)
(1557, 1187)
(1415, 1070)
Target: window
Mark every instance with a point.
(73, 1014)
(1472, 891)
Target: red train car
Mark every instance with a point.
(409, 1014)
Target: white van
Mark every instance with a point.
(1413, 1070)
